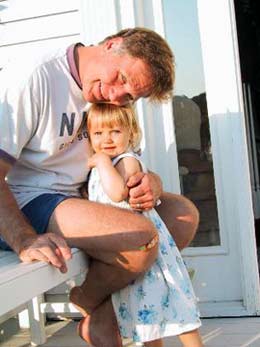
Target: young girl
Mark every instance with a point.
(161, 303)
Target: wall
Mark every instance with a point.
(30, 24)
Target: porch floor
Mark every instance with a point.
(216, 332)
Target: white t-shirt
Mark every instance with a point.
(41, 110)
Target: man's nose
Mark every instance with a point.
(118, 95)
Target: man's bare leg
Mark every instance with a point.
(90, 327)
(112, 237)
(180, 216)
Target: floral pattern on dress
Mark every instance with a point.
(161, 302)
(147, 315)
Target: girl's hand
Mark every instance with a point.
(144, 190)
(98, 159)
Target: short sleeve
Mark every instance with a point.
(18, 110)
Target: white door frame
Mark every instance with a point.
(231, 167)
(223, 83)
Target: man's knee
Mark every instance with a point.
(141, 259)
(180, 216)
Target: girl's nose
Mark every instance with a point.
(107, 137)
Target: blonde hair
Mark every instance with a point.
(124, 116)
(151, 48)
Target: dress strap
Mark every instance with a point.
(129, 154)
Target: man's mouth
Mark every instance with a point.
(101, 93)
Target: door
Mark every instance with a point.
(203, 36)
(212, 154)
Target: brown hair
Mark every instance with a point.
(124, 116)
(149, 46)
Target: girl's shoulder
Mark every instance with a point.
(116, 160)
(129, 162)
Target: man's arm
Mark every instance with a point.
(20, 235)
(144, 190)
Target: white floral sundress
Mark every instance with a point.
(161, 302)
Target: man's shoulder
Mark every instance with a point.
(22, 66)
(36, 56)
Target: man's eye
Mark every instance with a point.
(130, 99)
(123, 78)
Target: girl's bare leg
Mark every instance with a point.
(154, 343)
(191, 339)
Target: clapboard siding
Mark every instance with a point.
(14, 10)
(30, 24)
(37, 46)
(39, 28)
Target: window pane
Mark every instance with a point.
(190, 116)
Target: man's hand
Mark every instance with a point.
(49, 248)
(144, 190)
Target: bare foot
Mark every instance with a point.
(100, 329)
(77, 297)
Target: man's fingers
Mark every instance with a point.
(45, 254)
(63, 268)
(62, 252)
(32, 255)
(61, 244)
(142, 206)
(53, 258)
(135, 179)
(147, 197)
(49, 248)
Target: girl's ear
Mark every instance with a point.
(132, 142)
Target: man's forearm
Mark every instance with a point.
(13, 226)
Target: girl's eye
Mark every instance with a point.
(97, 133)
(116, 131)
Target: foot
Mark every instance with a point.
(77, 297)
(101, 329)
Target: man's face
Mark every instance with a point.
(116, 79)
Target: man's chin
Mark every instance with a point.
(89, 97)
(96, 101)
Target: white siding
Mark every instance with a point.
(26, 24)
(38, 24)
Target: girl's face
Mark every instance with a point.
(111, 140)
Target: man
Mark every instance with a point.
(43, 155)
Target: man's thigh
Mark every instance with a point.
(180, 216)
(91, 226)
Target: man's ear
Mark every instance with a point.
(113, 43)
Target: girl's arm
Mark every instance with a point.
(114, 178)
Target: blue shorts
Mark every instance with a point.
(38, 213)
